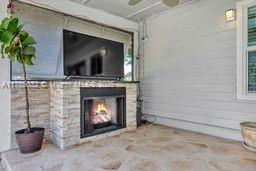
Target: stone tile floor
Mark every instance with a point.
(151, 147)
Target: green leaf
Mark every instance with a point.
(6, 37)
(5, 23)
(2, 50)
(28, 41)
(13, 24)
(1, 32)
(8, 49)
(28, 60)
(19, 59)
(23, 35)
(20, 28)
(30, 50)
(12, 56)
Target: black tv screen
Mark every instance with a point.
(90, 56)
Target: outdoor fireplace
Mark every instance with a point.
(102, 110)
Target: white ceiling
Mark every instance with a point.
(121, 8)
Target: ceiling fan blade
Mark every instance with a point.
(134, 2)
(171, 3)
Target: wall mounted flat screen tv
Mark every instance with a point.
(90, 56)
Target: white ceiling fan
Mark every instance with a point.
(169, 3)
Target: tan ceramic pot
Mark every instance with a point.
(249, 133)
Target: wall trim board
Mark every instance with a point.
(224, 133)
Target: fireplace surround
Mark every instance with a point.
(65, 110)
(102, 110)
(57, 108)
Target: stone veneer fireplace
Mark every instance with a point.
(57, 108)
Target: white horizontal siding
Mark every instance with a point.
(190, 69)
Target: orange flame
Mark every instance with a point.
(102, 117)
(100, 107)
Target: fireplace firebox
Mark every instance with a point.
(102, 110)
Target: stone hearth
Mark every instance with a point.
(56, 106)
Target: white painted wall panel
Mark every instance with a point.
(189, 78)
(5, 119)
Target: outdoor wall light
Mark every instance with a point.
(230, 15)
(103, 52)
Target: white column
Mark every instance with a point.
(5, 116)
(135, 53)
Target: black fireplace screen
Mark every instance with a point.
(102, 110)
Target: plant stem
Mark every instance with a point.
(27, 101)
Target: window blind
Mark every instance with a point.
(46, 28)
(252, 26)
(252, 71)
(251, 60)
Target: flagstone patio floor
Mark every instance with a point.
(150, 147)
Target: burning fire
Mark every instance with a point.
(101, 114)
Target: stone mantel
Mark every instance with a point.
(55, 105)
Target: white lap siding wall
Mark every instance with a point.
(189, 77)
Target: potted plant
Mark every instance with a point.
(249, 135)
(17, 45)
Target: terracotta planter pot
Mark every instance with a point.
(32, 142)
(249, 133)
